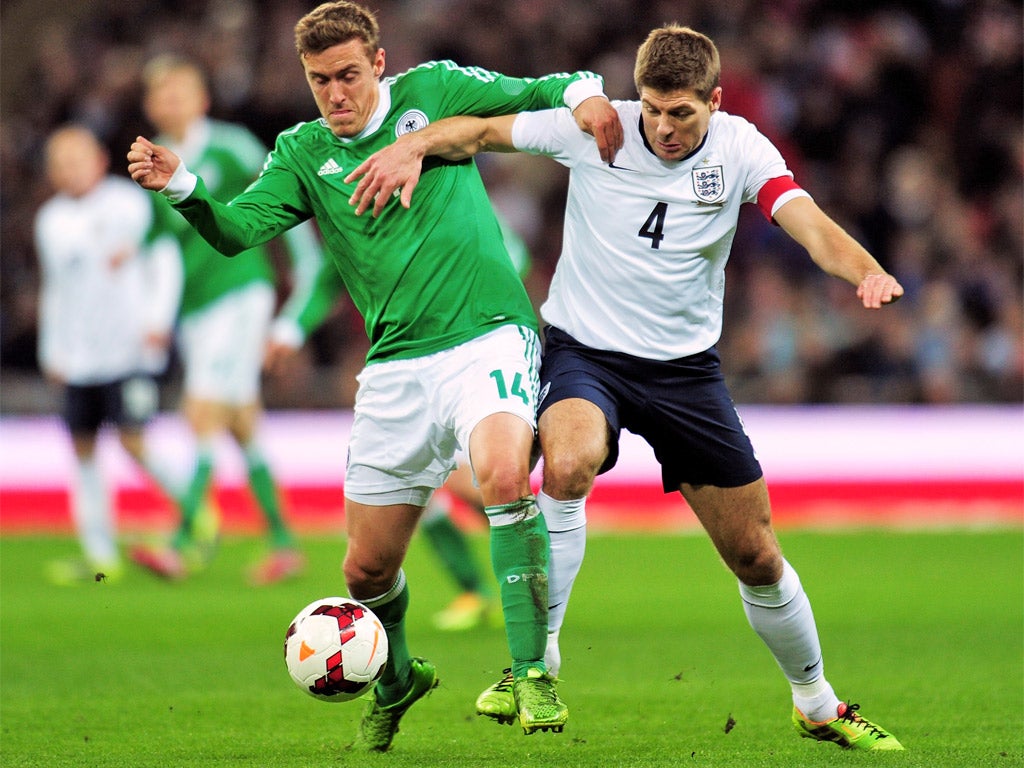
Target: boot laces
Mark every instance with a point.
(850, 715)
(505, 684)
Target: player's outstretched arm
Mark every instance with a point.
(395, 169)
(837, 253)
(151, 165)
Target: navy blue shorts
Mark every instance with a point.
(682, 408)
(125, 403)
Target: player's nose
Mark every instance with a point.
(336, 93)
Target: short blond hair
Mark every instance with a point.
(165, 63)
(677, 58)
(334, 23)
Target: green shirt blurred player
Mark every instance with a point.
(224, 316)
(454, 353)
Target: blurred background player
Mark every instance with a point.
(106, 310)
(226, 309)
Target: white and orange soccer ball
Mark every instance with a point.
(335, 649)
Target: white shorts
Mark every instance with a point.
(412, 416)
(222, 346)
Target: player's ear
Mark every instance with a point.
(715, 102)
(378, 63)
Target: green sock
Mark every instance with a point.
(452, 548)
(265, 490)
(390, 609)
(195, 492)
(520, 552)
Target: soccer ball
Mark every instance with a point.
(335, 649)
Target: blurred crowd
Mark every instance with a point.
(903, 120)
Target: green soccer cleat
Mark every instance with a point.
(849, 730)
(497, 702)
(380, 723)
(539, 707)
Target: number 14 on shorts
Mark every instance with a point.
(504, 392)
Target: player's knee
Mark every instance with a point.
(367, 578)
(503, 483)
(569, 475)
(757, 565)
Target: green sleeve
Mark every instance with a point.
(517, 249)
(307, 263)
(272, 204)
(476, 91)
(309, 309)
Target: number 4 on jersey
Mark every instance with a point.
(654, 227)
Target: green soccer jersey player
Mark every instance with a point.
(474, 604)
(454, 353)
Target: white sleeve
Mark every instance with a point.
(764, 162)
(581, 90)
(48, 346)
(551, 132)
(165, 278)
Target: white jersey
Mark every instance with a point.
(642, 269)
(94, 302)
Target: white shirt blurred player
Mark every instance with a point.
(634, 312)
(107, 305)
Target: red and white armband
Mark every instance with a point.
(777, 192)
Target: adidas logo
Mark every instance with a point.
(329, 168)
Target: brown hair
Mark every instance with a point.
(677, 58)
(334, 23)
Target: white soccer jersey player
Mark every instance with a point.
(646, 241)
(97, 300)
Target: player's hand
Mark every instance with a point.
(158, 340)
(393, 171)
(120, 257)
(151, 165)
(600, 119)
(876, 290)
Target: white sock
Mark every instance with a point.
(781, 615)
(816, 700)
(162, 476)
(94, 520)
(553, 654)
(567, 526)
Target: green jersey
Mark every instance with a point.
(228, 157)
(424, 279)
(303, 314)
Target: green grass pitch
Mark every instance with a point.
(924, 630)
